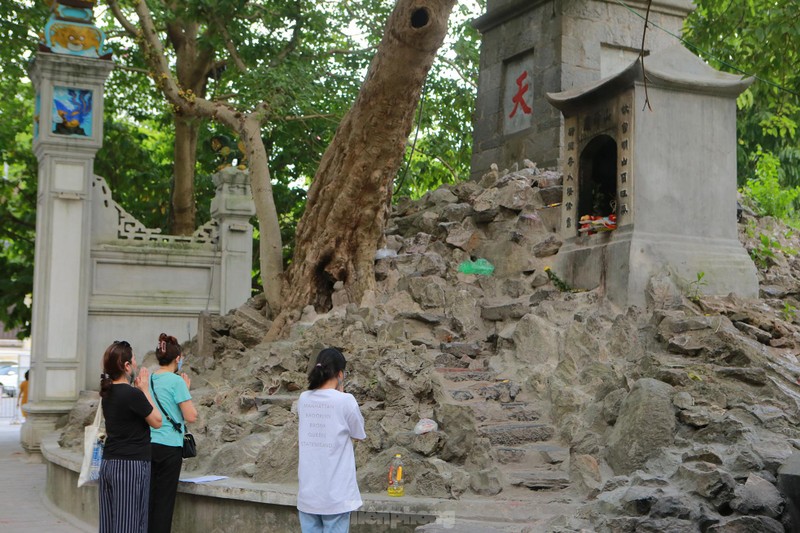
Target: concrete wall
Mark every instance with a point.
(144, 283)
(688, 175)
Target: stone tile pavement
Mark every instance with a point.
(23, 506)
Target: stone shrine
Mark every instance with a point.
(532, 47)
(650, 179)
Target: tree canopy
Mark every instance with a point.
(307, 60)
(310, 89)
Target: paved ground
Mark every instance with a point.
(23, 506)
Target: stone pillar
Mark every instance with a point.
(232, 207)
(68, 131)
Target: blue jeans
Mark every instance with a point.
(324, 523)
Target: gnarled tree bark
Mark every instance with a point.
(349, 199)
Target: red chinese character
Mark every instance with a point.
(518, 99)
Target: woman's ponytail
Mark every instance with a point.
(329, 363)
(114, 359)
(105, 384)
(167, 350)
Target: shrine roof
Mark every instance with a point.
(675, 68)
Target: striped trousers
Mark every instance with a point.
(124, 494)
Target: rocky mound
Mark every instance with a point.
(671, 418)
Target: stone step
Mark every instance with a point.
(447, 360)
(503, 392)
(516, 433)
(466, 374)
(540, 453)
(459, 349)
(280, 400)
(521, 411)
(494, 412)
(539, 479)
(450, 525)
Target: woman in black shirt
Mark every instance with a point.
(125, 470)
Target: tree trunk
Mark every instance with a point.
(349, 199)
(183, 201)
(270, 245)
(191, 67)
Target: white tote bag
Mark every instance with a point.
(93, 440)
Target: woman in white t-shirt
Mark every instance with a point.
(329, 419)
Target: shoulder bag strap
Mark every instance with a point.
(98, 416)
(175, 426)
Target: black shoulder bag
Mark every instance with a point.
(189, 446)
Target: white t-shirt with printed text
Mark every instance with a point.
(326, 472)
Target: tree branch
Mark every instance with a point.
(458, 70)
(185, 102)
(229, 46)
(203, 62)
(292, 118)
(641, 57)
(175, 35)
(129, 27)
(131, 69)
(293, 42)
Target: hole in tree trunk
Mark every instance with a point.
(419, 18)
(324, 283)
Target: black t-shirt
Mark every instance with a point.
(128, 434)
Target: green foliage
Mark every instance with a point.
(765, 189)
(788, 312)
(17, 227)
(761, 38)
(558, 283)
(764, 252)
(18, 169)
(695, 287)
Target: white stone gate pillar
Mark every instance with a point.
(233, 206)
(68, 131)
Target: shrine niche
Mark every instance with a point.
(597, 150)
(650, 179)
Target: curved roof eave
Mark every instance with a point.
(674, 67)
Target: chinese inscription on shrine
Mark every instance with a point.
(518, 100)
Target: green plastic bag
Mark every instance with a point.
(479, 266)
